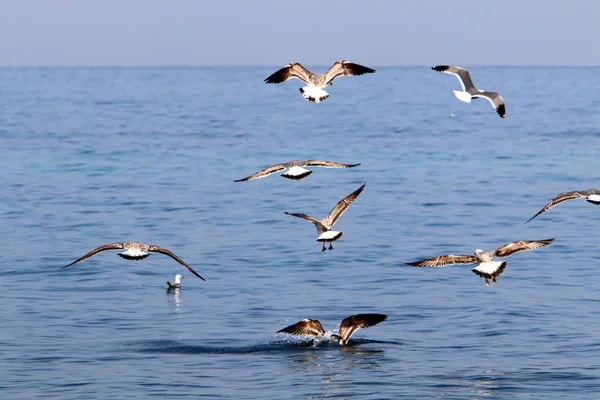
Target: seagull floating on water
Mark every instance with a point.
(135, 251)
(592, 196)
(486, 268)
(296, 170)
(177, 283)
(324, 225)
(312, 327)
(316, 82)
(469, 90)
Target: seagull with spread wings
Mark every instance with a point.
(486, 268)
(295, 169)
(592, 196)
(316, 82)
(135, 251)
(324, 225)
(469, 90)
(312, 327)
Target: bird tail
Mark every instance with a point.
(462, 96)
(314, 94)
(329, 236)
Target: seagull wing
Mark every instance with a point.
(462, 74)
(109, 246)
(328, 164)
(263, 173)
(292, 70)
(496, 100)
(442, 261)
(355, 322)
(320, 227)
(522, 245)
(341, 207)
(345, 68)
(559, 199)
(158, 249)
(307, 326)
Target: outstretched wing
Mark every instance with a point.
(307, 326)
(522, 245)
(496, 100)
(109, 246)
(158, 249)
(328, 164)
(320, 227)
(263, 172)
(355, 322)
(292, 70)
(342, 206)
(461, 74)
(442, 261)
(559, 199)
(345, 68)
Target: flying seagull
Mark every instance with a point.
(324, 225)
(296, 170)
(135, 251)
(469, 90)
(316, 82)
(177, 283)
(486, 268)
(592, 196)
(312, 327)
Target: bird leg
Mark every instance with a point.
(330, 246)
(323, 249)
(487, 282)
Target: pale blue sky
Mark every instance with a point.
(275, 32)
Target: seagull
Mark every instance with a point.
(592, 196)
(313, 327)
(316, 82)
(469, 90)
(135, 251)
(324, 225)
(486, 268)
(296, 171)
(177, 283)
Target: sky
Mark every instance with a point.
(275, 32)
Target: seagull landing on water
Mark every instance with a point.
(296, 170)
(592, 196)
(135, 251)
(177, 283)
(486, 268)
(316, 82)
(324, 225)
(469, 90)
(312, 327)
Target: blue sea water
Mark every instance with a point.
(97, 155)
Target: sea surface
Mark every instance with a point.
(96, 155)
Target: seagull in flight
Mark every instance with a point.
(296, 170)
(312, 327)
(135, 251)
(592, 196)
(486, 268)
(316, 82)
(469, 90)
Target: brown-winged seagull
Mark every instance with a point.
(316, 82)
(324, 225)
(486, 268)
(312, 327)
(592, 196)
(296, 170)
(135, 251)
(177, 283)
(469, 90)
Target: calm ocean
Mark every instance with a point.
(97, 155)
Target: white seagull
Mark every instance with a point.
(316, 82)
(135, 251)
(486, 268)
(296, 170)
(177, 283)
(324, 225)
(592, 196)
(312, 327)
(469, 90)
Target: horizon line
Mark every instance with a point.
(276, 66)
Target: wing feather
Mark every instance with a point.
(158, 249)
(461, 74)
(496, 100)
(307, 326)
(355, 322)
(345, 68)
(328, 164)
(292, 70)
(104, 247)
(442, 261)
(522, 245)
(559, 199)
(341, 207)
(263, 173)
